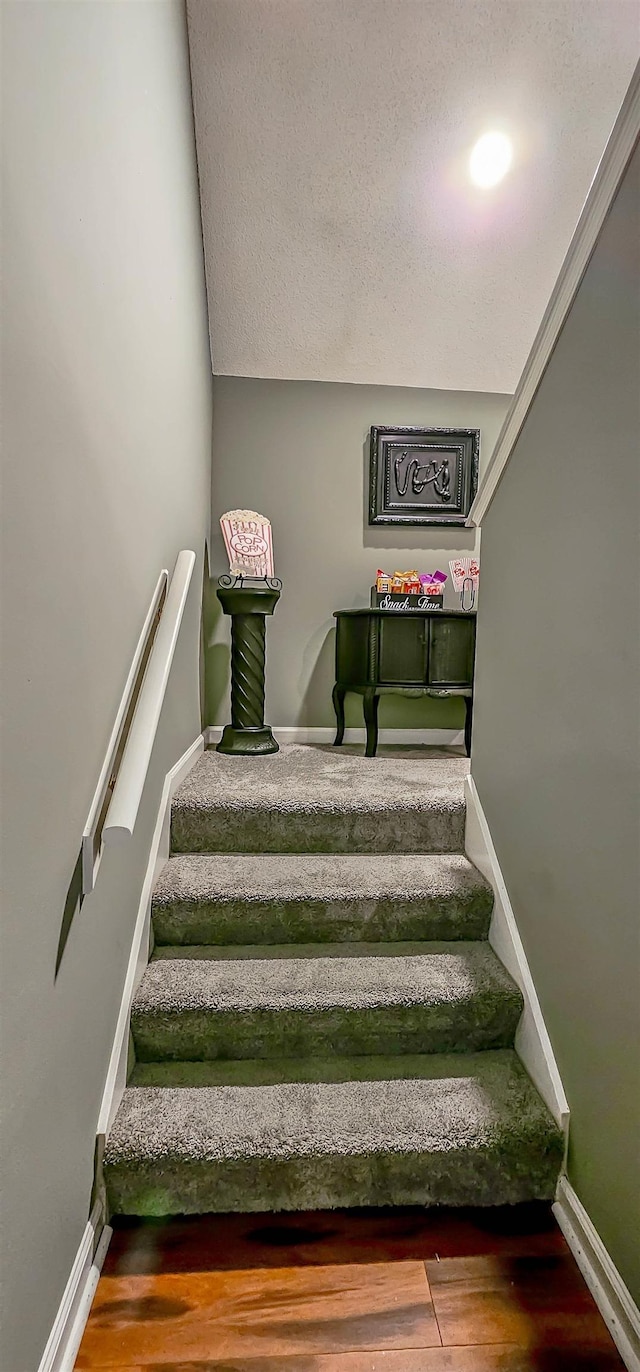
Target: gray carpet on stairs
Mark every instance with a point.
(444, 998)
(332, 1068)
(308, 1030)
(299, 897)
(467, 1131)
(320, 800)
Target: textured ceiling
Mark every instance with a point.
(343, 239)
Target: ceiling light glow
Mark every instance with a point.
(490, 159)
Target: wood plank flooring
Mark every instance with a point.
(346, 1291)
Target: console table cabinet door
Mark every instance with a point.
(403, 651)
(451, 652)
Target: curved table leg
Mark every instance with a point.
(371, 720)
(338, 696)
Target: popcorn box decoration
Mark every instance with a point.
(465, 574)
(432, 585)
(410, 581)
(249, 543)
(463, 569)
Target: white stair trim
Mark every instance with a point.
(602, 192)
(301, 733)
(613, 1299)
(68, 1327)
(139, 956)
(532, 1041)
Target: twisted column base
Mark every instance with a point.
(247, 741)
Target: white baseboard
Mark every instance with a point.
(615, 1303)
(299, 733)
(532, 1042)
(139, 956)
(65, 1337)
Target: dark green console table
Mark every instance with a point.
(390, 651)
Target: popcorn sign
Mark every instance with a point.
(249, 543)
(464, 569)
(465, 574)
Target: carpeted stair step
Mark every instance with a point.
(320, 800)
(396, 998)
(298, 898)
(461, 1130)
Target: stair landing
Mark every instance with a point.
(322, 800)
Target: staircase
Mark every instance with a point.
(323, 1022)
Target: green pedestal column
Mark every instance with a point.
(247, 602)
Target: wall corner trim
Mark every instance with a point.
(532, 1041)
(613, 1299)
(602, 192)
(68, 1327)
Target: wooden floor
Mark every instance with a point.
(346, 1291)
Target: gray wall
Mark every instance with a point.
(106, 436)
(297, 451)
(556, 741)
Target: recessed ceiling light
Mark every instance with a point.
(490, 159)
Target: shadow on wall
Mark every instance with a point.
(396, 712)
(202, 664)
(72, 907)
(315, 706)
(217, 654)
(409, 712)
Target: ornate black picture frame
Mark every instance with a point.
(422, 476)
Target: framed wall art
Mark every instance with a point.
(422, 476)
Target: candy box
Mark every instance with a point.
(430, 586)
(402, 580)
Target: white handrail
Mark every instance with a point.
(611, 169)
(91, 837)
(125, 802)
